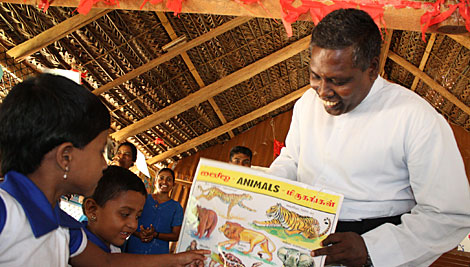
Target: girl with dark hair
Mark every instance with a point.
(52, 137)
(161, 219)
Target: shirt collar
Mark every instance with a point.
(95, 239)
(41, 216)
(376, 87)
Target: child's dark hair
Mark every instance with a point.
(242, 150)
(114, 181)
(43, 112)
(132, 147)
(168, 170)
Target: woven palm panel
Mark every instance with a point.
(448, 66)
(409, 46)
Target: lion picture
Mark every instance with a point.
(236, 233)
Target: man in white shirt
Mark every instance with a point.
(392, 156)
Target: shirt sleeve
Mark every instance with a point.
(3, 214)
(78, 241)
(441, 217)
(178, 216)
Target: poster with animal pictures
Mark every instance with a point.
(249, 218)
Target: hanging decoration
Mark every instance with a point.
(277, 144)
(44, 5)
(435, 13)
(84, 6)
(159, 141)
(173, 5)
(277, 147)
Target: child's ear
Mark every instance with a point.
(90, 208)
(64, 155)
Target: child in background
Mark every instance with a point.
(52, 137)
(160, 221)
(114, 208)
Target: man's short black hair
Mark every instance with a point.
(343, 28)
(133, 149)
(242, 150)
(114, 181)
(43, 112)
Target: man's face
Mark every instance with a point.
(240, 159)
(339, 84)
(123, 157)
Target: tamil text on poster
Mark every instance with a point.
(249, 218)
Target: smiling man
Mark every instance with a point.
(392, 156)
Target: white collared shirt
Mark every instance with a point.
(390, 155)
(31, 232)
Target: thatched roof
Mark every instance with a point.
(195, 80)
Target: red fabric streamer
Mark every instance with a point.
(375, 8)
(85, 5)
(159, 141)
(277, 147)
(436, 16)
(174, 5)
(319, 10)
(44, 5)
(464, 10)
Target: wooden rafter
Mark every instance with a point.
(169, 29)
(172, 53)
(384, 52)
(17, 68)
(462, 39)
(424, 59)
(212, 89)
(429, 81)
(401, 19)
(228, 126)
(21, 51)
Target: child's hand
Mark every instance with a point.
(191, 258)
(146, 234)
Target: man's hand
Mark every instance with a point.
(343, 248)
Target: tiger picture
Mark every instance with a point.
(293, 223)
(231, 199)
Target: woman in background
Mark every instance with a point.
(161, 219)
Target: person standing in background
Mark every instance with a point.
(160, 221)
(240, 155)
(126, 155)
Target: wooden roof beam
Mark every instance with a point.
(424, 59)
(212, 89)
(51, 35)
(228, 126)
(400, 19)
(169, 29)
(172, 53)
(429, 81)
(462, 39)
(384, 51)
